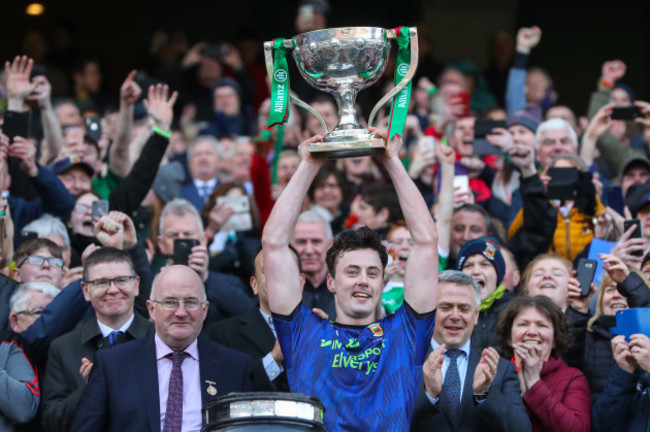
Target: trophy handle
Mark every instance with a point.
(404, 81)
(268, 57)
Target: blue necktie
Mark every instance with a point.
(112, 337)
(451, 384)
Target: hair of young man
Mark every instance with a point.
(30, 247)
(107, 254)
(360, 238)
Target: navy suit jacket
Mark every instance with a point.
(122, 393)
(190, 193)
(502, 411)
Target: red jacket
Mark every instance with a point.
(560, 401)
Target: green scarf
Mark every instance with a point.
(488, 302)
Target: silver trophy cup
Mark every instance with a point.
(342, 61)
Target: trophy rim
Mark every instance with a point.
(339, 28)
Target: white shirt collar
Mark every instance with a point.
(106, 330)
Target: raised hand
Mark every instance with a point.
(613, 70)
(128, 227)
(318, 158)
(622, 354)
(218, 216)
(432, 371)
(640, 350)
(198, 260)
(627, 246)
(486, 370)
(528, 38)
(616, 268)
(160, 106)
(529, 361)
(523, 158)
(130, 91)
(501, 138)
(42, 92)
(601, 122)
(18, 71)
(109, 232)
(645, 110)
(25, 151)
(576, 300)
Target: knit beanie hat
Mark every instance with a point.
(530, 117)
(489, 248)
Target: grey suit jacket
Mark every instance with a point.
(502, 411)
(63, 383)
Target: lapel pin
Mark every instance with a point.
(212, 390)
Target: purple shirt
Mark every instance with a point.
(192, 403)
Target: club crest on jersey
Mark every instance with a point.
(376, 330)
(489, 251)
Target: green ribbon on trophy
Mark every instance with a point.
(400, 106)
(280, 84)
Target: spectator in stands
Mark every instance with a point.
(533, 330)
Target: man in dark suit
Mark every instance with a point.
(465, 389)
(110, 284)
(253, 333)
(227, 294)
(164, 379)
(203, 160)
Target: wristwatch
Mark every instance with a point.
(479, 398)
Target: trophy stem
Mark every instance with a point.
(345, 98)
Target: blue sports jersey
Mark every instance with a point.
(367, 377)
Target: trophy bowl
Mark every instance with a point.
(343, 61)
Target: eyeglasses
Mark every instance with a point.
(38, 260)
(172, 304)
(36, 312)
(120, 282)
(82, 208)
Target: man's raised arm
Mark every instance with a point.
(281, 271)
(421, 274)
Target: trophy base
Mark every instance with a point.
(355, 143)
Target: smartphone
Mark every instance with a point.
(483, 127)
(94, 128)
(241, 219)
(563, 184)
(426, 144)
(626, 113)
(585, 275)
(183, 249)
(627, 224)
(100, 208)
(462, 182)
(615, 199)
(37, 70)
(483, 147)
(16, 124)
(464, 97)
